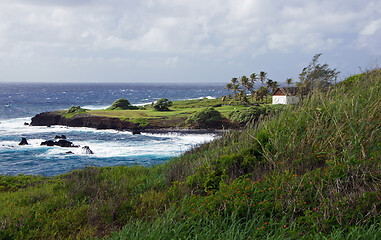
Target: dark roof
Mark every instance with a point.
(286, 91)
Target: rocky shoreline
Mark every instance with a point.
(100, 122)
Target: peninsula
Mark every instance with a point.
(188, 115)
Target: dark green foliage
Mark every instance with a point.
(162, 104)
(352, 81)
(142, 122)
(76, 110)
(122, 104)
(209, 117)
(252, 114)
(316, 77)
(14, 183)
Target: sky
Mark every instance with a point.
(182, 41)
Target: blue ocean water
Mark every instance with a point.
(21, 101)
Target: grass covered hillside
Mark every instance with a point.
(311, 171)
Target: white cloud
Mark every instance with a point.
(215, 31)
(371, 28)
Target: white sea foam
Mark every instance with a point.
(103, 143)
(96, 107)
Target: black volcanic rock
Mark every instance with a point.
(48, 143)
(23, 141)
(87, 150)
(65, 143)
(61, 143)
(60, 137)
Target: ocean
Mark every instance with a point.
(19, 102)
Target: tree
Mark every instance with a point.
(229, 87)
(234, 81)
(242, 97)
(235, 90)
(122, 104)
(271, 86)
(289, 81)
(261, 92)
(262, 77)
(253, 78)
(162, 104)
(209, 117)
(244, 82)
(316, 77)
(250, 88)
(223, 99)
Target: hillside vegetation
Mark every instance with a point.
(311, 171)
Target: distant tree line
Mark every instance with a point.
(314, 77)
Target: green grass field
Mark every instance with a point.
(179, 108)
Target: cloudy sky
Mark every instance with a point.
(182, 40)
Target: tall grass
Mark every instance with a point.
(312, 171)
(322, 156)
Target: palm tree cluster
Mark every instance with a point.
(244, 87)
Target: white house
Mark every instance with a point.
(286, 95)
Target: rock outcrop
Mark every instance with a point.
(23, 142)
(87, 150)
(61, 143)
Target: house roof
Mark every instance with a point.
(286, 91)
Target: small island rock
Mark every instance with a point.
(23, 142)
(61, 143)
(60, 137)
(87, 150)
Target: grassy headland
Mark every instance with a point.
(148, 117)
(311, 171)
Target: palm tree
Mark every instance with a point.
(242, 97)
(289, 81)
(223, 99)
(235, 90)
(253, 78)
(263, 77)
(244, 82)
(261, 92)
(271, 85)
(229, 87)
(234, 81)
(250, 87)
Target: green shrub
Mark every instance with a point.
(251, 114)
(209, 117)
(76, 110)
(142, 122)
(162, 104)
(122, 104)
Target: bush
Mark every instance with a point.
(251, 114)
(76, 109)
(142, 122)
(209, 117)
(163, 104)
(122, 104)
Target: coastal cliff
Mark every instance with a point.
(82, 120)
